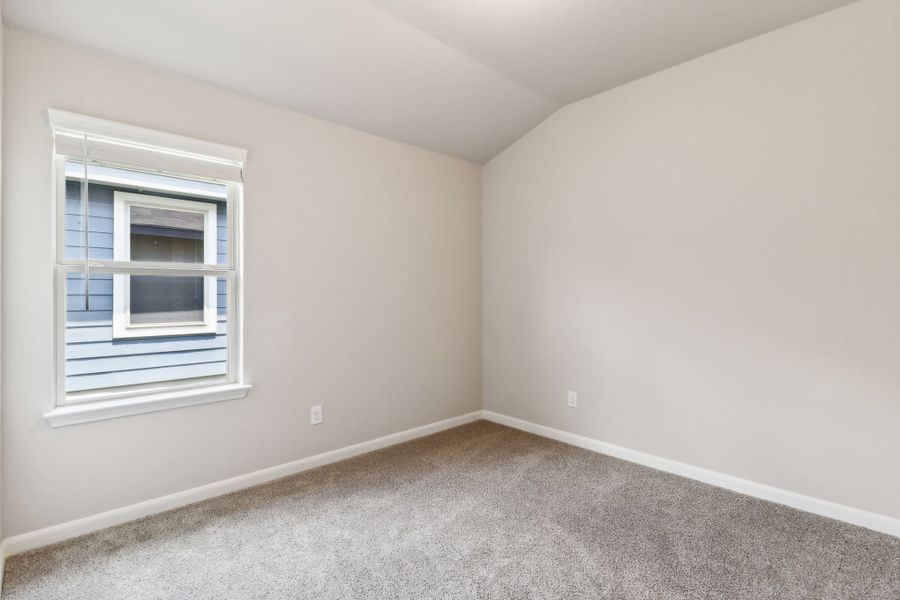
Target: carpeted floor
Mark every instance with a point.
(480, 511)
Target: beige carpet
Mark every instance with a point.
(481, 511)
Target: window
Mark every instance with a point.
(163, 229)
(147, 270)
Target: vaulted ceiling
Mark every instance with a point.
(463, 77)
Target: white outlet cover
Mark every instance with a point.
(315, 415)
(573, 399)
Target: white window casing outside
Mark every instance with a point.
(123, 327)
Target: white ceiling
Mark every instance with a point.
(567, 50)
(464, 77)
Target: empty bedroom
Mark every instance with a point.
(450, 299)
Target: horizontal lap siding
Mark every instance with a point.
(94, 360)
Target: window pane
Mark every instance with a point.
(100, 229)
(104, 181)
(161, 300)
(161, 234)
(96, 361)
(165, 248)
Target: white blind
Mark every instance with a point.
(98, 140)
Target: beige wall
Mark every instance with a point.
(1, 279)
(710, 257)
(362, 290)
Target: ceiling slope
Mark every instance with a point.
(571, 49)
(340, 60)
(462, 77)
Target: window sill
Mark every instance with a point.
(135, 405)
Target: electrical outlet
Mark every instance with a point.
(573, 400)
(315, 414)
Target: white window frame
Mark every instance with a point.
(122, 326)
(82, 407)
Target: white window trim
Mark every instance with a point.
(131, 404)
(122, 326)
(113, 404)
(169, 142)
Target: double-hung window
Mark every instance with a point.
(147, 270)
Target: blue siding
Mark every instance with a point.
(94, 360)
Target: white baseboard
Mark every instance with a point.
(847, 514)
(56, 533)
